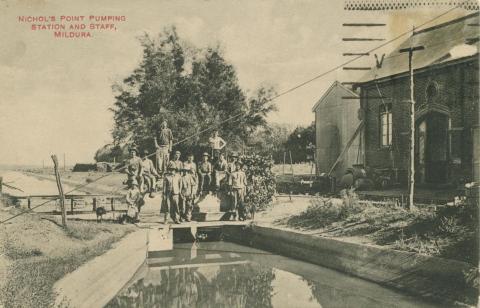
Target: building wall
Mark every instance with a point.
(336, 120)
(457, 93)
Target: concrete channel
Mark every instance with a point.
(99, 281)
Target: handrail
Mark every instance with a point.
(69, 196)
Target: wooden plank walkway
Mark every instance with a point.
(192, 224)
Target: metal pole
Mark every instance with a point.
(411, 177)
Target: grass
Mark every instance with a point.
(83, 230)
(38, 252)
(449, 232)
(31, 280)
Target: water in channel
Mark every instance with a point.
(222, 274)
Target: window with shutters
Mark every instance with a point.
(386, 125)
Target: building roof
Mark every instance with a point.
(334, 85)
(458, 38)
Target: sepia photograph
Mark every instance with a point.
(226, 153)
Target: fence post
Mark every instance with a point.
(94, 204)
(111, 202)
(29, 203)
(60, 190)
(71, 206)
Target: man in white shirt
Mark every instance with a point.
(217, 144)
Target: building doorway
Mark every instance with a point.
(432, 148)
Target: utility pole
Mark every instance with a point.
(411, 172)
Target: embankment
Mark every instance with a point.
(439, 279)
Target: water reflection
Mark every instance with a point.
(227, 275)
(241, 285)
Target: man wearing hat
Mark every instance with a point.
(149, 173)
(163, 146)
(176, 160)
(134, 200)
(220, 171)
(133, 167)
(231, 165)
(204, 172)
(187, 194)
(190, 164)
(171, 194)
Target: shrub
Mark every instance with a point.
(81, 230)
(261, 180)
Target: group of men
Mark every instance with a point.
(184, 181)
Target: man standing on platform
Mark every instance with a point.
(220, 171)
(163, 144)
(231, 164)
(176, 160)
(133, 167)
(238, 184)
(171, 194)
(149, 174)
(217, 144)
(187, 194)
(190, 164)
(205, 175)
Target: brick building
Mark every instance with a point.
(447, 106)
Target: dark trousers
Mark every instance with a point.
(204, 185)
(187, 205)
(170, 204)
(162, 159)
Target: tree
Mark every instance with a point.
(195, 90)
(298, 142)
(271, 140)
(111, 153)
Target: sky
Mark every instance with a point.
(55, 92)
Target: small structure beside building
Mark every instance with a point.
(447, 106)
(336, 121)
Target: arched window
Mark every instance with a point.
(431, 92)
(386, 125)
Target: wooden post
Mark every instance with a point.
(71, 206)
(291, 162)
(60, 190)
(411, 172)
(284, 158)
(112, 204)
(94, 204)
(29, 203)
